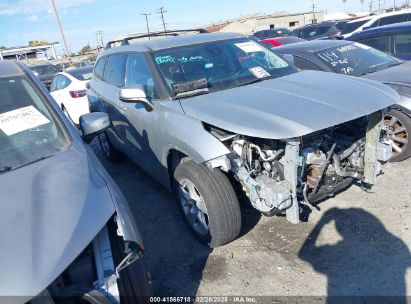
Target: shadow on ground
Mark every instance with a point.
(366, 261)
(176, 260)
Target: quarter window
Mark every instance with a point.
(115, 70)
(403, 43)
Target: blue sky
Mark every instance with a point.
(25, 20)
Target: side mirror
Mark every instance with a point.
(289, 58)
(92, 124)
(135, 95)
(366, 28)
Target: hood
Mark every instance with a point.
(399, 74)
(290, 106)
(50, 211)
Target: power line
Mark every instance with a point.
(148, 28)
(161, 11)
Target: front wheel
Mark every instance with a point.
(399, 125)
(208, 202)
(110, 152)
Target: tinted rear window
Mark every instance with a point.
(393, 19)
(352, 26)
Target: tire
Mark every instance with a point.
(400, 128)
(109, 151)
(212, 195)
(134, 284)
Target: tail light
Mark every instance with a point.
(78, 94)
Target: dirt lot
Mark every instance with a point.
(358, 244)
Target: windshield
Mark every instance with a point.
(218, 65)
(355, 59)
(28, 129)
(46, 69)
(352, 26)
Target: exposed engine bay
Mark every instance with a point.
(275, 174)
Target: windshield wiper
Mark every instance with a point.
(193, 93)
(5, 169)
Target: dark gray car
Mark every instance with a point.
(350, 58)
(214, 117)
(67, 230)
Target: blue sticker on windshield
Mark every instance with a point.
(209, 65)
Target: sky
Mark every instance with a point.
(22, 21)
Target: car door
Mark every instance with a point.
(139, 124)
(63, 92)
(108, 89)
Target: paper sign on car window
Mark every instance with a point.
(259, 72)
(21, 120)
(249, 47)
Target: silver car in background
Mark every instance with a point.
(214, 117)
(68, 234)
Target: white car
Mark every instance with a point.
(69, 91)
(365, 23)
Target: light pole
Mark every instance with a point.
(67, 50)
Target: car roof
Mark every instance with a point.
(385, 28)
(171, 42)
(10, 68)
(312, 46)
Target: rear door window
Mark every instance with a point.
(381, 42)
(115, 70)
(403, 43)
(64, 82)
(393, 19)
(99, 69)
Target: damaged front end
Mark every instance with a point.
(101, 272)
(278, 175)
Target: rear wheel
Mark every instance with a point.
(399, 124)
(208, 202)
(110, 152)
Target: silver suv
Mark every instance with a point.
(215, 116)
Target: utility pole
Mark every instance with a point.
(371, 6)
(362, 5)
(379, 5)
(161, 11)
(148, 28)
(68, 53)
(394, 5)
(314, 17)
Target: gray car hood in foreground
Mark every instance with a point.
(50, 211)
(290, 106)
(399, 74)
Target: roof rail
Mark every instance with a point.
(173, 33)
